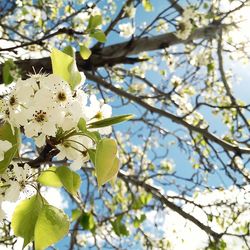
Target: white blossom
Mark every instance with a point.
(130, 10)
(185, 25)
(126, 30)
(162, 26)
(184, 29)
(4, 147)
(46, 107)
(2, 214)
(16, 180)
(98, 111)
(75, 149)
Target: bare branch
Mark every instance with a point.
(204, 131)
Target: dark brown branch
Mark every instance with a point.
(46, 155)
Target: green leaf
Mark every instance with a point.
(85, 52)
(98, 35)
(141, 201)
(92, 153)
(110, 121)
(50, 178)
(8, 66)
(82, 125)
(87, 221)
(13, 136)
(61, 176)
(69, 50)
(51, 226)
(210, 67)
(71, 181)
(119, 228)
(25, 217)
(94, 135)
(210, 217)
(138, 221)
(147, 5)
(94, 21)
(76, 213)
(145, 198)
(205, 6)
(64, 66)
(60, 64)
(106, 162)
(137, 204)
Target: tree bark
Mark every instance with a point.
(119, 53)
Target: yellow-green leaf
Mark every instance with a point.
(51, 226)
(70, 180)
(106, 161)
(25, 217)
(85, 52)
(92, 153)
(147, 5)
(110, 121)
(64, 65)
(94, 21)
(13, 136)
(82, 125)
(50, 178)
(87, 221)
(8, 66)
(98, 35)
(119, 228)
(60, 63)
(69, 50)
(76, 213)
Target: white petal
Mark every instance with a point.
(105, 130)
(106, 110)
(31, 129)
(5, 145)
(48, 129)
(13, 192)
(75, 165)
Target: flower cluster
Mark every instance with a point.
(45, 108)
(58, 119)
(13, 182)
(126, 30)
(185, 25)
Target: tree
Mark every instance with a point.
(184, 155)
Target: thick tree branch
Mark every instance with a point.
(118, 53)
(137, 46)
